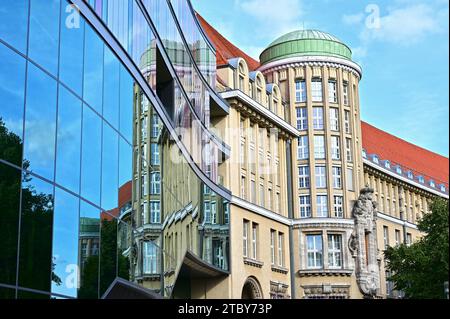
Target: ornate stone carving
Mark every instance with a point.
(363, 243)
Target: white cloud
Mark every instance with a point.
(274, 17)
(405, 26)
(352, 19)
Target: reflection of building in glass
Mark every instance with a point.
(122, 166)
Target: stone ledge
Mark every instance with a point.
(280, 269)
(325, 272)
(253, 262)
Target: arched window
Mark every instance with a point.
(421, 179)
(375, 159)
(410, 175)
(387, 164)
(398, 169)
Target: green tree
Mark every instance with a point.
(421, 269)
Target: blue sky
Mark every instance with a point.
(404, 53)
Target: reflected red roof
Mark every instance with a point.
(225, 50)
(419, 160)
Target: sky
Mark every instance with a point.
(402, 46)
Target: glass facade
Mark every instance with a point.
(88, 193)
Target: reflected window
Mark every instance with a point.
(155, 183)
(154, 148)
(155, 212)
(110, 168)
(40, 122)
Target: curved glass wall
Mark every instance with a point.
(92, 186)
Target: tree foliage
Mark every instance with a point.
(420, 270)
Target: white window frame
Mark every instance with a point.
(337, 177)
(154, 156)
(335, 251)
(317, 90)
(155, 212)
(348, 150)
(335, 148)
(319, 147)
(321, 176)
(305, 206)
(245, 230)
(318, 118)
(303, 176)
(347, 123)
(334, 119)
(315, 251)
(302, 118)
(280, 246)
(332, 92)
(345, 90)
(322, 205)
(300, 91)
(254, 241)
(155, 183)
(338, 206)
(272, 246)
(303, 148)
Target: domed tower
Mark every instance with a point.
(319, 81)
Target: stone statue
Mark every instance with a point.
(363, 243)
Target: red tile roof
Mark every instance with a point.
(375, 141)
(389, 147)
(225, 50)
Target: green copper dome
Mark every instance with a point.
(304, 43)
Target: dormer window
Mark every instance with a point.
(398, 169)
(410, 175)
(443, 189)
(421, 179)
(364, 153)
(387, 164)
(375, 159)
(432, 183)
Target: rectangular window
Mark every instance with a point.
(332, 92)
(302, 118)
(347, 125)
(243, 181)
(314, 251)
(318, 118)
(316, 90)
(348, 150)
(241, 83)
(305, 206)
(154, 149)
(155, 212)
(335, 251)
(272, 246)
(335, 148)
(322, 206)
(254, 241)
(386, 237)
(349, 179)
(150, 258)
(337, 177)
(155, 183)
(242, 153)
(398, 239)
(245, 229)
(321, 177)
(155, 126)
(303, 148)
(408, 239)
(144, 127)
(319, 147)
(269, 199)
(280, 249)
(334, 119)
(303, 177)
(241, 128)
(253, 191)
(261, 195)
(345, 93)
(338, 206)
(300, 91)
(277, 203)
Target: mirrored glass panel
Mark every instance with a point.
(88, 251)
(110, 170)
(36, 269)
(111, 89)
(71, 48)
(12, 84)
(91, 156)
(68, 141)
(126, 104)
(40, 123)
(13, 28)
(44, 33)
(65, 244)
(10, 179)
(7, 293)
(108, 251)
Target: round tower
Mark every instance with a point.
(319, 81)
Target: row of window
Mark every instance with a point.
(317, 91)
(250, 236)
(263, 201)
(321, 206)
(315, 251)
(398, 239)
(320, 148)
(320, 177)
(318, 119)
